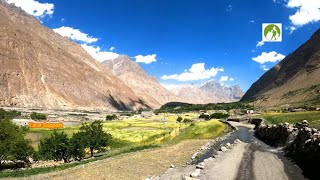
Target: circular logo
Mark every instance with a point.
(272, 32)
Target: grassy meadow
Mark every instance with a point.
(157, 129)
(313, 117)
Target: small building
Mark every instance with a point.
(249, 111)
(22, 122)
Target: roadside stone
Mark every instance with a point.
(171, 166)
(304, 122)
(223, 149)
(188, 178)
(237, 141)
(228, 145)
(200, 165)
(196, 173)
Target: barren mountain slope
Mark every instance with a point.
(209, 92)
(146, 87)
(293, 81)
(39, 68)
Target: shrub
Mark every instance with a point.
(38, 116)
(179, 119)
(219, 116)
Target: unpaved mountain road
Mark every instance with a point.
(251, 159)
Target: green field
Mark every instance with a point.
(157, 129)
(313, 117)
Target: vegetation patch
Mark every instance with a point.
(313, 117)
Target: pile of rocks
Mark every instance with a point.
(305, 151)
(275, 135)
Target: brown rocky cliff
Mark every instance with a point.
(39, 68)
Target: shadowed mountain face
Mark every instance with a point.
(209, 92)
(146, 87)
(293, 81)
(39, 68)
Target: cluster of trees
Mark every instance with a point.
(59, 147)
(111, 117)
(214, 116)
(183, 107)
(185, 120)
(38, 116)
(15, 149)
(8, 114)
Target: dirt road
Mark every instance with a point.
(251, 159)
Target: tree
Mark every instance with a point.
(38, 116)
(77, 146)
(94, 136)
(13, 146)
(111, 117)
(56, 147)
(187, 120)
(218, 116)
(179, 119)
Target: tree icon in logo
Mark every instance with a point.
(272, 32)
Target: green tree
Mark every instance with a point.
(111, 117)
(179, 119)
(94, 136)
(38, 116)
(77, 146)
(13, 146)
(56, 147)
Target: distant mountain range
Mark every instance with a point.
(41, 69)
(295, 81)
(208, 92)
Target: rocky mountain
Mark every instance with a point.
(292, 82)
(209, 92)
(145, 87)
(39, 68)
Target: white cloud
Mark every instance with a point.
(112, 48)
(34, 7)
(308, 11)
(75, 34)
(196, 72)
(146, 59)
(291, 29)
(99, 55)
(260, 43)
(251, 21)
(226, 78)
(268, 57)
(264, 67)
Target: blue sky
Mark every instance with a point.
(217, 38)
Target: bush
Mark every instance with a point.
(204, 116)
(38, 116)
(8, 114)
(179, 119)
(187, 120)
(111, 117)
(219, 116)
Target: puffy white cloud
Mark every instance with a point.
(146, 59)
(75, 34)
(308, 11)
(99, 55)
(112, 48)
(34, 7)
(260, 43)
(268, 57)
(226, 78)
(196, 72)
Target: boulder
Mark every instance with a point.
(223, 149)
(196, 173)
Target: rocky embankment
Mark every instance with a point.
(301, 144)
